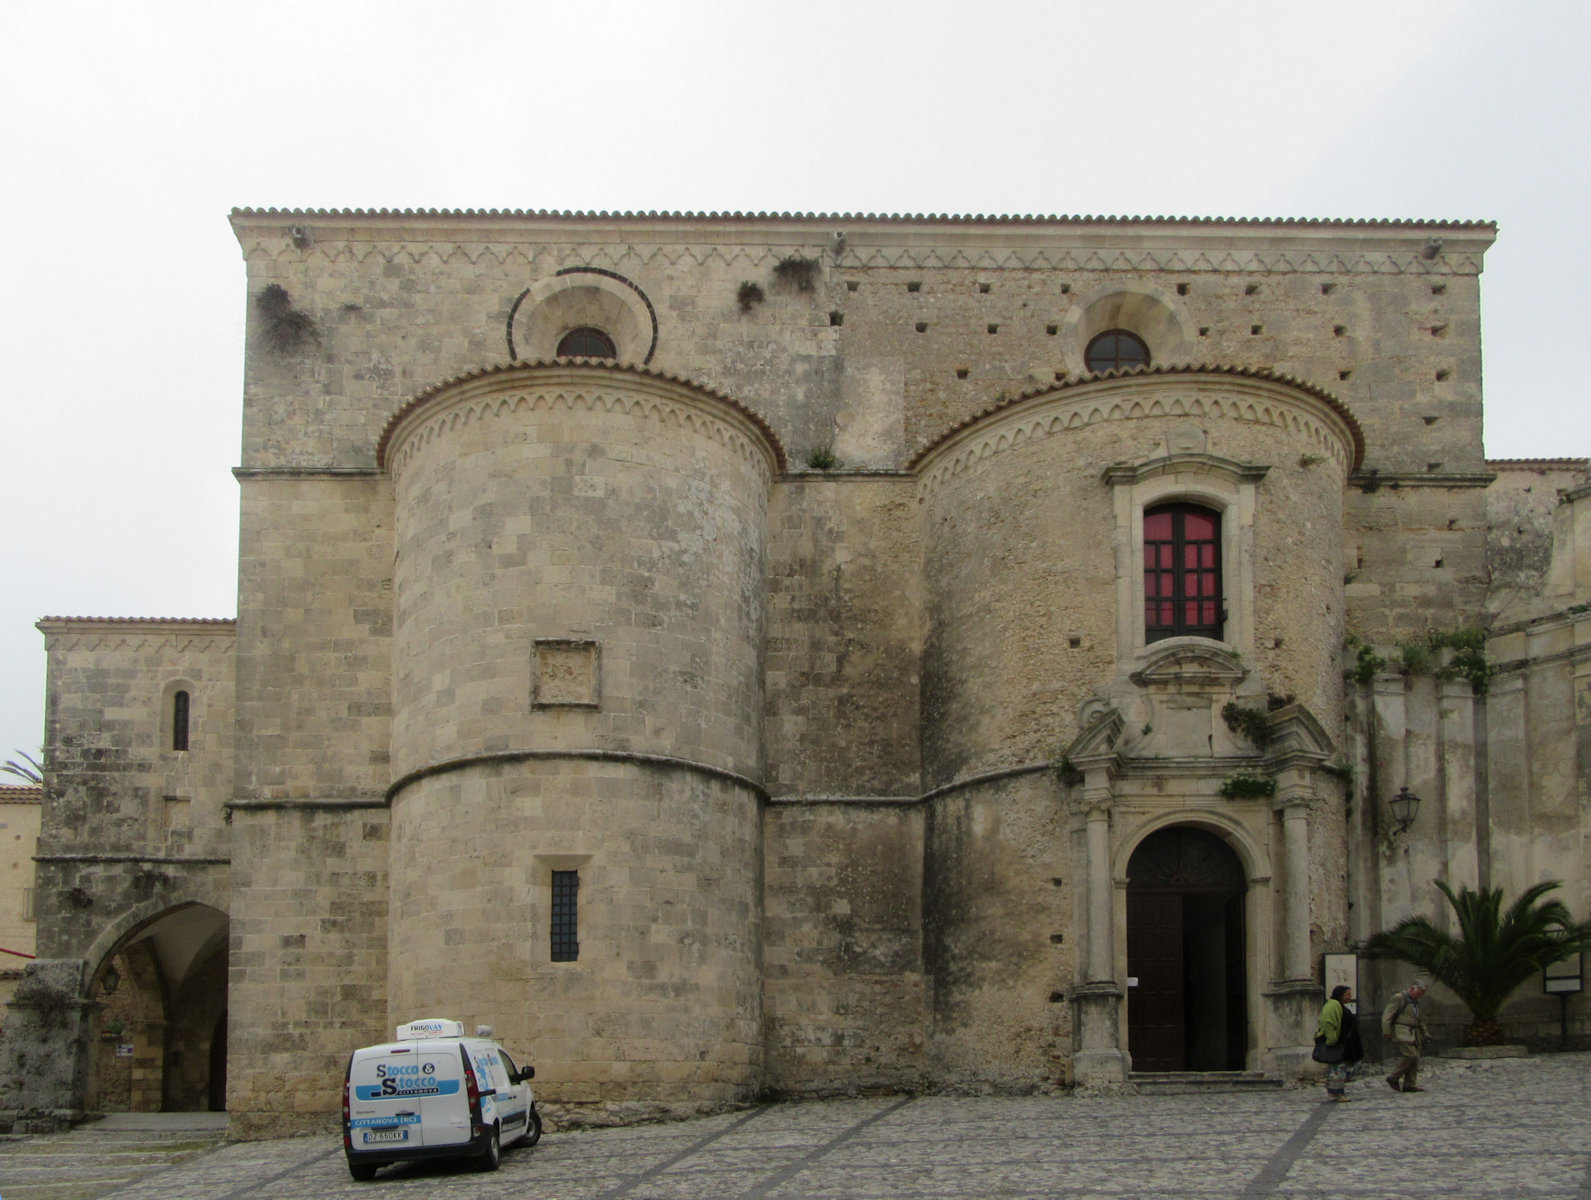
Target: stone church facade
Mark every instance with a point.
(735, 655)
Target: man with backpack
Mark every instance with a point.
(1401, 1024)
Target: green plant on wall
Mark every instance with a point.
(1442, 653)
(1414, 658)
(1466, 657)
(821, 458)
(749, 294)
(1366, 662)
(1066, 772)
(1250, 723)
(285, 328)
(1245, 785)
(797, 271)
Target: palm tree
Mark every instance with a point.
(31, 771)
(1494, 951)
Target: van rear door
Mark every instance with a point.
(400, 1097)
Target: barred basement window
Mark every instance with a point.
(179, 721)
(565, 916)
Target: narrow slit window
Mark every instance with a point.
(1182, 572)
(179, 721)
(565, 916)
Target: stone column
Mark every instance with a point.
(1099, 1061)
(1293, 1000)
(1295, 845)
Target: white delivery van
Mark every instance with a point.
(435, 1093)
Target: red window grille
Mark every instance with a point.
(1182, 572)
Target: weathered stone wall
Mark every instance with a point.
(846, 997)
(663, 1003)
(115, 783)
(844, 583)
(995, 924)
(402, 302)
(1520, 505)
(580, 566)
(314, 664)
(308, 960)
(1024, 555)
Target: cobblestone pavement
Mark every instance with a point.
(1505, 1129)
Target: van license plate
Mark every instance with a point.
(386, 1135)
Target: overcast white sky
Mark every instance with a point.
(130, 130)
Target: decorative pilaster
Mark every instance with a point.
(1293, 1001)
(1099, 1060)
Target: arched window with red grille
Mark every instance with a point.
(1182, 572)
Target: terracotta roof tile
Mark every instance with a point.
(931, 218)
(928, 218)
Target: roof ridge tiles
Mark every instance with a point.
(144, 620)
(932, 218)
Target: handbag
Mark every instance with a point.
(1327, 1054)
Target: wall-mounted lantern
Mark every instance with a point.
(111, 980)
(1405, 807)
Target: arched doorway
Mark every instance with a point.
(161, 1001)
(1186, 1002)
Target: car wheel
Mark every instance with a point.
(362, 1172)
(532, 1130)
(492, 1156)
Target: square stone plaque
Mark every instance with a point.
(567, 674)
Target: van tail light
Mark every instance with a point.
(473, 1091)
(348, 1079)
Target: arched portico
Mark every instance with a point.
(158, 982)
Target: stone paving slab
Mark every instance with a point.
(1515, 1129)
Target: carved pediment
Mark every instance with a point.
(1294, 730)
(1099, 736)
(1190, 664)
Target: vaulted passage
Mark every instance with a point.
(160, 1016)
(1186, 1011)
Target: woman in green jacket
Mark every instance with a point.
(1339, 1027)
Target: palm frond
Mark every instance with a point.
(32, 770)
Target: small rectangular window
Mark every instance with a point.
(27, 905)
(565, 916)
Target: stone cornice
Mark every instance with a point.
(103, 633)
(164, 859)
(296, 473)
(509, 757)
(1372, 480)
(1203, 464)
(861, 241)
